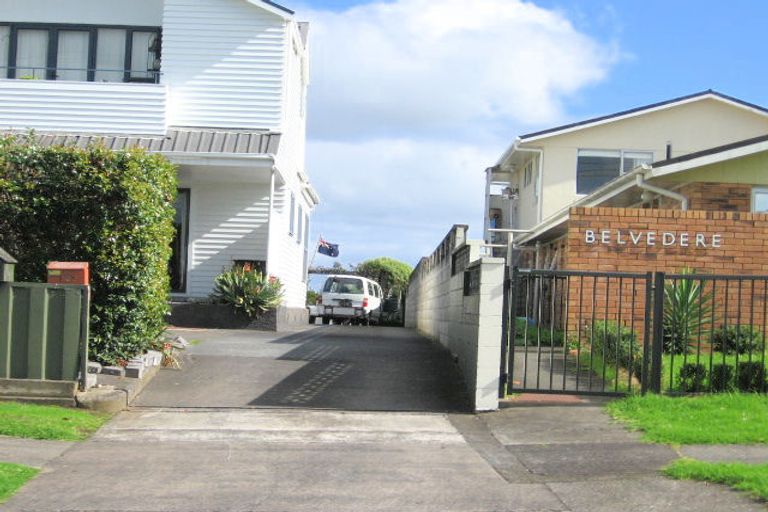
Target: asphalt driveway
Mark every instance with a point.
(352, 368)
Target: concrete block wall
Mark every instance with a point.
(468, 326)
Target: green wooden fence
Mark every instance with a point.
(43, 331)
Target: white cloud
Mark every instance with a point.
(395, 197)
(427, 67)
(411, 99)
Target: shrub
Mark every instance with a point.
(248, 291)
(722, 378)
(529, 333)
(616, 343)
(686, 308)
(751, 376)
(741, 339)
(692, 377)
(113, 209)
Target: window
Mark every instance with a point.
(595, 167)
(760, 200)
(178, 264)
(292, 221)
(528, 174)
(343, 285)
(306, 230)
(299, 234)
(79, 52)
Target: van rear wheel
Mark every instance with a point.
(326, 320)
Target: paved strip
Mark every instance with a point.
(749, 454)
(31, 452)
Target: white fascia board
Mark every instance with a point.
(508, 153)
(704, 160)
(221, 159)
(267, 6)
(612, 119)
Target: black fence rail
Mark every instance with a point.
(612, 333)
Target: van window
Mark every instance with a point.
(343, 285)
(370, 290)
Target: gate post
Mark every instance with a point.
(512, 324)
(505, 348)
(657, 341)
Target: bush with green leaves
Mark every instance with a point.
(751, 377)
(112, 209)
(687, 309)
(249, 291)
(692, 377)
(738, 339)
(616, 343)
(532, 335)
(722, 378)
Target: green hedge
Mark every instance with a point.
(112, 209)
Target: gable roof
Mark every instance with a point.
(588, 123)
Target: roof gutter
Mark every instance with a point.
(642, 184)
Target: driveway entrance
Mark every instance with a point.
(330, 367)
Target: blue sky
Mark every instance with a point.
(411, 99)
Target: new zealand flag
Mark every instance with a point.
(328, 249)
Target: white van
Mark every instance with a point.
(350, 299)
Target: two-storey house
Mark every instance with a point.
(217, 86)
(544, 173)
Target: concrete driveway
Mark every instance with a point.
(352, 368)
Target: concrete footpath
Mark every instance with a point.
(323, 451)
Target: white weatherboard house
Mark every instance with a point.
(217, 86)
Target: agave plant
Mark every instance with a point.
(687, 308)
(248, 291)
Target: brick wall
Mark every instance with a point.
(723, 197)
(711, 242)
(742, 249)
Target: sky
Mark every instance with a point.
(410, 100)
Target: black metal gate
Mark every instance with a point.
(612, 333)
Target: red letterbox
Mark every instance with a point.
(68, 272)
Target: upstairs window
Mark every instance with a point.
(79, 52)
(595, 167)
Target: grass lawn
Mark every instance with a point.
(48, 422)
(12, 477)
(706, 419)
(752, 478)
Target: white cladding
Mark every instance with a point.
(228, 222)
(147, 13)
(83, 107)
(287, 249)
(224, 61)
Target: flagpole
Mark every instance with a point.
(317, 248)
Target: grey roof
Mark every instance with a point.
(712, 151)
(637, 110)
(177, 140)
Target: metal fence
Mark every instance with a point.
(43, 331)
(616, 333)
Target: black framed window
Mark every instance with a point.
(80, 52)
(177, 266)
(596, 167)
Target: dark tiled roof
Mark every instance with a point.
(177, 140)
(711, 151)
(641, 109)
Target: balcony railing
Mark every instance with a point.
(81, 74)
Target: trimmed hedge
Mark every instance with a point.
(113, 209)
